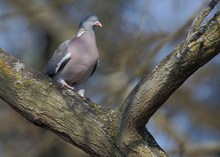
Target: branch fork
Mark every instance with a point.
(104, 132)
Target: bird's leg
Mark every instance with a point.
(80, 89)
(81, 92)
(64, 84)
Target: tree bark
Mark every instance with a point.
(94, 129)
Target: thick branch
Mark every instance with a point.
(76, 120)
(153, 90)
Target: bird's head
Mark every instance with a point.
(90, 22)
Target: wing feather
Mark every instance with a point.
(59, 60)
(95, 67)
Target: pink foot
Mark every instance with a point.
(64, 84)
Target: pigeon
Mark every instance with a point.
(76, 59)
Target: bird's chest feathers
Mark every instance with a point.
(78, 70)
(84, 50)
(84, 56)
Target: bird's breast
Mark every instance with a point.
(77, 73)
(79, 68)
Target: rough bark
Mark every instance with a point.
(99, 131)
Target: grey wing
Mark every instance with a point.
(95, 67)
(58, 61)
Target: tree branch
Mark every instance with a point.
(201, 16)
(76, 120)
(153, 90)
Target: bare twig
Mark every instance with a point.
(198, 150)
(131, 50)
(46, 17)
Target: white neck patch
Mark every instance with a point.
(80, 32)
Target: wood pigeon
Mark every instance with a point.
(75, 60)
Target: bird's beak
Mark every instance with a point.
(97, 23)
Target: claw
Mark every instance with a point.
(64, 84)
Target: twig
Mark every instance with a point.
(203, 149)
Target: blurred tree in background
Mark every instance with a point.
(135, 37)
